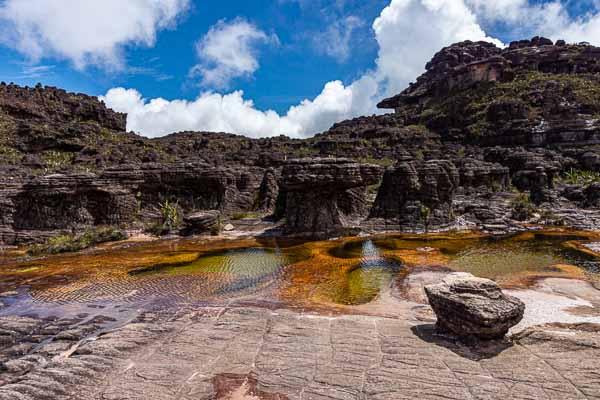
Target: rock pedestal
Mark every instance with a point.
(322, 194)
(410, 188)
(473, 307)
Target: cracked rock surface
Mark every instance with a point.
(253, 353)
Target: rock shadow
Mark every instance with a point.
(471, 348)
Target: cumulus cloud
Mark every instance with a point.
(84, 31)
(228, 51)
(228, 113)
(408, 32)
(523, 18)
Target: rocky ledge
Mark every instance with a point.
(251, 353)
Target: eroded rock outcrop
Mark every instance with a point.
(321, 195)
(417, 193)
(480, 122)
(473, 307)
(532, 93)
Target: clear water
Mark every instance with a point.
(346, 272)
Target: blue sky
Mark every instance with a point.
(290, 72)
(197, 56)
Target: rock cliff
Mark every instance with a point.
(486, 138)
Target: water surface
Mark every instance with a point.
(345, 272)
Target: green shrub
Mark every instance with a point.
(383, 162)
(425, 216)
(10, 155)
(580, 177)
(78, 242)
(170, 214)
(216, 230)
(56, 160)
(170, 219)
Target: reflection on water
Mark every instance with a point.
(224, 272)
(365, 280)
(347, 272)
(496, 259)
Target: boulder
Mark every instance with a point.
(202, 222)
(473, 307)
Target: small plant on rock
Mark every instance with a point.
(581, 177)
(426, 216)
(78, 242)
(170, 215)
(522, 207)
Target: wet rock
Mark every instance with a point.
(473, 307)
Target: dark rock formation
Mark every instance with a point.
(321, 193)
(469, 306)
(532, 93)
(60, 203)
(417, 193)
(268, 192)
(478, 124)
(202, 222)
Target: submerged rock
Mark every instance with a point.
(470, 306)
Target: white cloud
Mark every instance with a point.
(525, 19)
(408, 32)
(228, 51)
(84, 31)
(585, 29)
(335, 41)
(228, 113)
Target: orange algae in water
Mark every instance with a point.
(349, 271)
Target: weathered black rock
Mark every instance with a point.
(417, 193)
(321, 195)
(268, 192)
(478, 124)
(202, 222)
(469, 306)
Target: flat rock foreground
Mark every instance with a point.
(254, 353)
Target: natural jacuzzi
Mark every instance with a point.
(336, 274)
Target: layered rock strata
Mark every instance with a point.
(483, 131)
(473, 307)
(323, 195)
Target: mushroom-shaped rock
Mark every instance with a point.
(323, 195)
(473, 307)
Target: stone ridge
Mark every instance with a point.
(57, 105)
(463, 64)
(485, 139)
